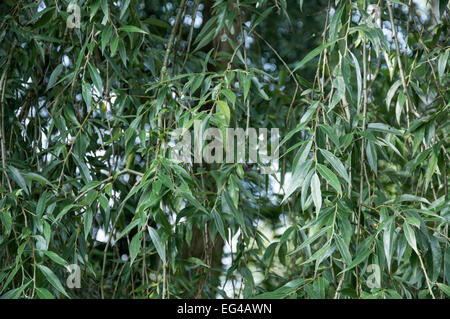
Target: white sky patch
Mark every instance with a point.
(41, 6)
(101, 236)
(66, 60)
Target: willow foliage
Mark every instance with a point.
(93, 90)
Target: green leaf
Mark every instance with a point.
(64, 211)
(390, 94)
(43, 293)
(86, 91)
(219, 224)
(339, 93)
(225, 110)
(40, 207)
(388, 241)
(372, 156)
(302, 155)
(381, 127)
(158, 243)
(320, 254)
(17, 176)
(413, 221)
(358, 78)
(197, 261)
(310, 240)
(362, 253)
(297, 178)
(444, 288)
(87, 221)
(38, 178)
(135, 246)
(238, 215)
(55, 257)
(113, 46)
(399, 106)
(316, 193)
(158, 23)
(442, 63)
(410, 236)
(312, 54)
(431, 168)
(124, 8)
(6, 221)
(96, 78)
(17, 292)
(331, 134)
(447, 264)
(52, 279)
(343, 249)
(132, 29)
(283, 291)
(54, 76)
(436, 254)
(330, 177)
(336, 164)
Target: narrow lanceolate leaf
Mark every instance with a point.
(381, 127)
(311, 239)
(41, 205)
(96, 78)
(18, 178)
(297, 178)
(302, 155)
(225, 110)
(54, 76)
(44, 293)
(436, 254)
(442, 63)
(135, 246)
(55, 257)
(388, 244)
(316, 193)
(283, 291)
(52, 279)
(86, 90)
(38, 178)
(444, 288)
(372, 157)
(431, 168)
(219, 224)
(158, 243)
(343, 249)
(358, 78)
(362, 252)
(330, 177)
(336, 164)
(390, 94)
(399, 106)
(197, 261)
(331, 134)
(311, 55)
(237, 214)
(87, 222)
(131, 29)
(124, 8)
(339, 93)
(410, 236)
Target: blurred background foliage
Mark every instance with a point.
(358, 207)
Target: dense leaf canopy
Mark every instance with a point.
(92, 92)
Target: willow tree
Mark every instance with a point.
(93, 91)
